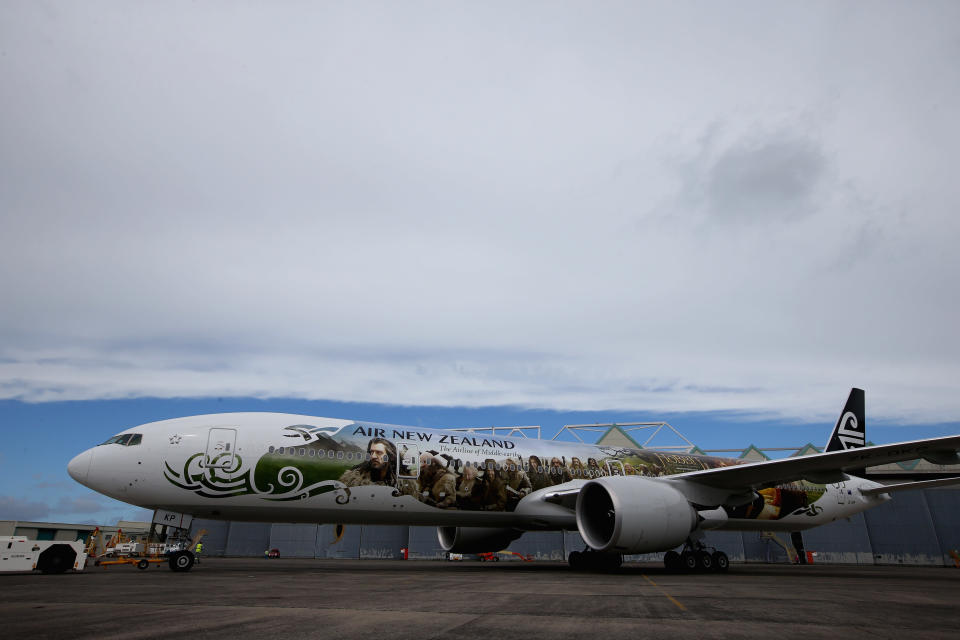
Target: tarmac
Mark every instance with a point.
(391, 599)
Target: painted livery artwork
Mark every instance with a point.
(451, 471)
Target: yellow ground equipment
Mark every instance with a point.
(146, 553)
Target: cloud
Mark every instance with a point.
(687, 209)
(767, 179)
(12, 508)
(53, 485)
(80, 505)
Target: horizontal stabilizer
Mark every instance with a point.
(908, 486)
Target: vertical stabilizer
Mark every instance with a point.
(851, 429)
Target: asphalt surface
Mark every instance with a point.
(284, 598)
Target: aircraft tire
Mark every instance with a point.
(181, 561)
(721, 562)
(704, 561)
(671, 560)
(143, 564)
(688, 561)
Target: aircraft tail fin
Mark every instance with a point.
(851, 429)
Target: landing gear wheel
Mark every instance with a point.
(613, 562)
(576, 560)
(671, 560)
(688, 561)
(143, 564)
(704, 561)
(720, 561)
(181, 561)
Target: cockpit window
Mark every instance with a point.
(126, 439)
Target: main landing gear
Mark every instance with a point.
(696, 557)
(590, 560)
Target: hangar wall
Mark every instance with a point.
(914, 528)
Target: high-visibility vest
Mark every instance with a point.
(199, 547)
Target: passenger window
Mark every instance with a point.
(339, 455)
(271, 450)
(303, 452)
(280, 450)
(321, 453)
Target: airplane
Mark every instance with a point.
(484, 491)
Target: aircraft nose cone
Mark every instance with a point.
(79, 467)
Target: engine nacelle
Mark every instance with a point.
(630, 514)
(476, 539)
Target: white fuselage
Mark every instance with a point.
(276, 467)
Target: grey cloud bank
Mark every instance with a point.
(574, 206)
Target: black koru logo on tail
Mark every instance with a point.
(850, 434)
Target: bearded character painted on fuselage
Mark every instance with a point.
(539, 478)
(559, 472)
(379, 468)
(593, 468)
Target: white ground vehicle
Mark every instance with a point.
(18, 553)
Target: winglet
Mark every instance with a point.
(851, 429)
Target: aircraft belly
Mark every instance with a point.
(366, 515)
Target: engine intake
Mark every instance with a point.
(630, 514)
(476, 539)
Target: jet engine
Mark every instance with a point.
(476, 539)
(630, 514)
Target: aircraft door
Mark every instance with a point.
(841, 490)
(220, 448)
(408, 462)
(614, 468)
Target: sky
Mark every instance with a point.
(444, 212)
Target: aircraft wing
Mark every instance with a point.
(824, 467)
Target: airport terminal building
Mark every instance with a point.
(919, 527)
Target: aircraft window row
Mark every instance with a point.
(319, 453)
(126, 439)
(357, 456)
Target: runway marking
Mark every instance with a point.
(668, 596)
